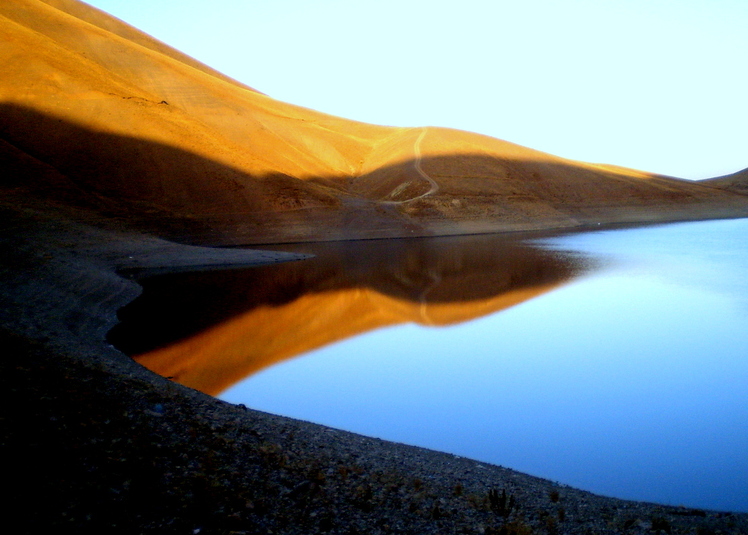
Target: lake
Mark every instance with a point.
(614, 361)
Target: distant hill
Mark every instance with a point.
(736, 182)
(97, 114)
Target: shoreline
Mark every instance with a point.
(114, 446)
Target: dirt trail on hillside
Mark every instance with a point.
(417, 165)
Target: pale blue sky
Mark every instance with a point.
(658, 85)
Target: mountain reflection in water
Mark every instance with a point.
(209, 330)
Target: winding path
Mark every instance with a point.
(417, 164)
(423, 308)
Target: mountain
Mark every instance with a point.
(101, 117)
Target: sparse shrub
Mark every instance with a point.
(501, 504)
(661, 525)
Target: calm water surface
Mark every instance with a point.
(630, 381)
(614, 361)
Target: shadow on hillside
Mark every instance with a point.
(190, 198)
(148, 185)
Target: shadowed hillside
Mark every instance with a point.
(736, 182)
(192, 198)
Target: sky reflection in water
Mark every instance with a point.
(614, 361)
(631, 381)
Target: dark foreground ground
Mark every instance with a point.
(92, 442)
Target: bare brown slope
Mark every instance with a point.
(736, 182)
(124, 117)
(485, 181)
